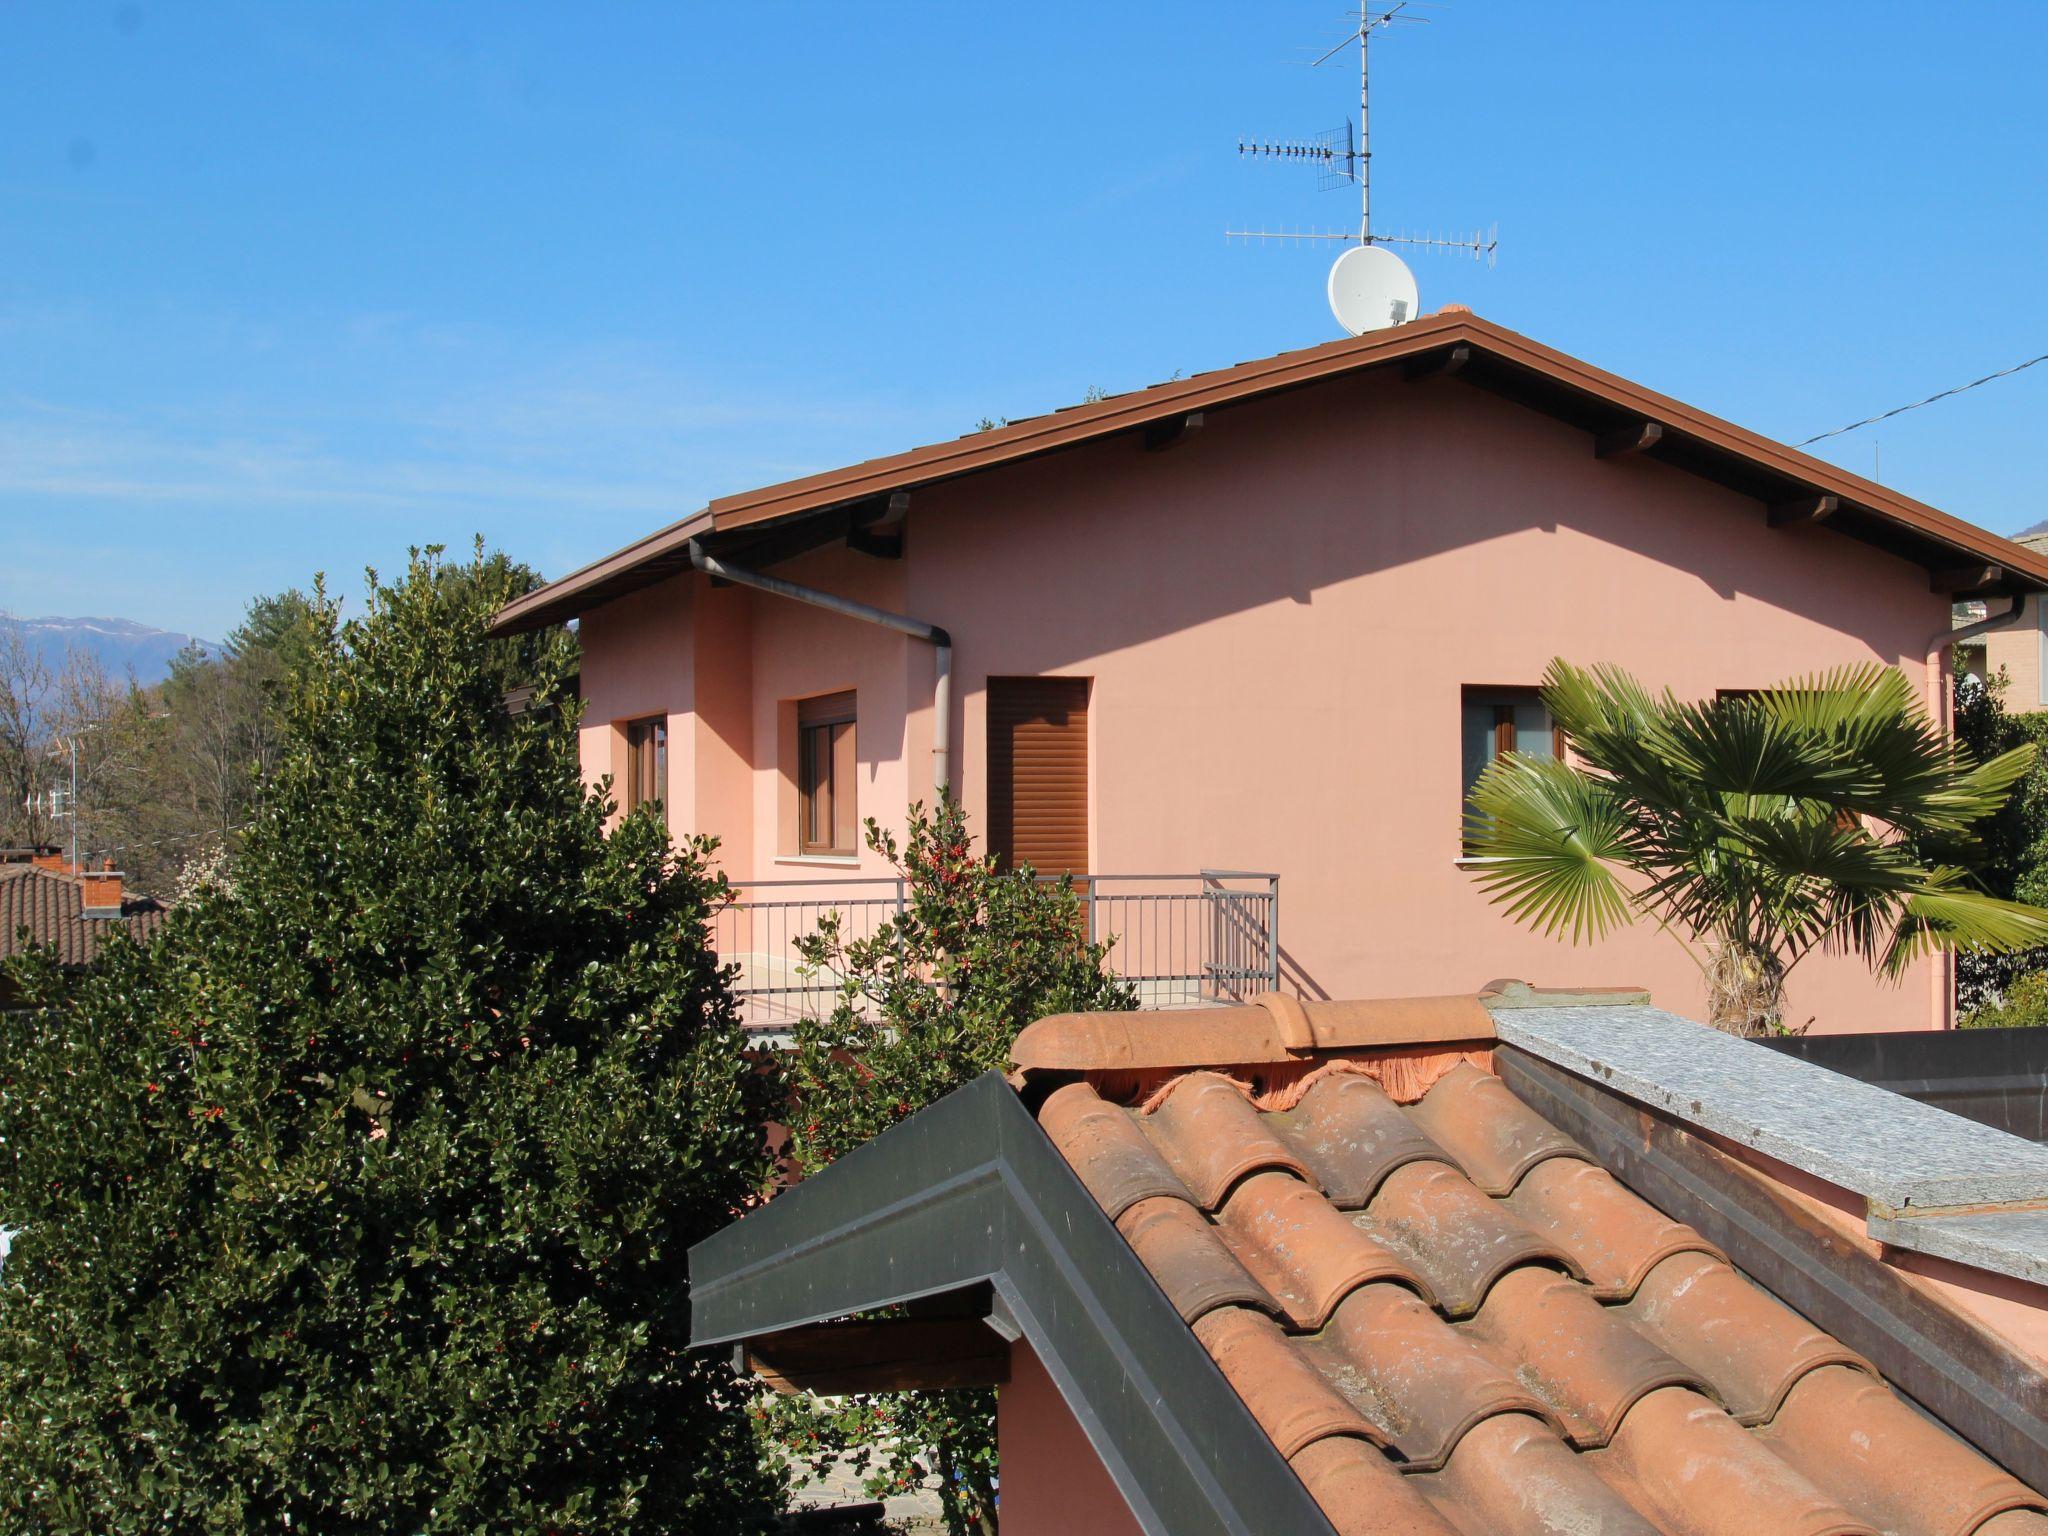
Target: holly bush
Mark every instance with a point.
(358, 1202)
(930, 1000)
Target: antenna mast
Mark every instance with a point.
(1341, 160)
(1365, 118)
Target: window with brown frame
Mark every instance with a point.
(827, 819)
(647, 764)
(1496, 721)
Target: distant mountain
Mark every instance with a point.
(2041, 527)
(121, 645)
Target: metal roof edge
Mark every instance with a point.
(970, 1191)
(1912, 1164)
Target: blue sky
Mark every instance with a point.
(288, 287)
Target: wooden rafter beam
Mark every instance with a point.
(1804, 510)
(1967, 578)
(1437, 365)
(1637, 437)
(1171, 432)
(877, 528)
(889, 1355)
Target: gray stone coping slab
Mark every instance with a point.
(2006, 1242)
(1898, 1154)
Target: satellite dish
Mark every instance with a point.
(1370, 289)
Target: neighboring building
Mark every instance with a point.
(2019, 651)
(1272, 618)
(1507, 1264)
(45, 904)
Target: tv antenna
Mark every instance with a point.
(1342, 159)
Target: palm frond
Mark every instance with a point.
(1551, 836)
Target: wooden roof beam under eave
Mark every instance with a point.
(1437, 365)
(1622, 442)
(1968, 580)
(1804, 511)
(1172, 432)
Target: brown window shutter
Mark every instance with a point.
(1038, 773)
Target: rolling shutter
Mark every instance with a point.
(1038, 773)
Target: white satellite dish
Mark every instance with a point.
(1370, 289)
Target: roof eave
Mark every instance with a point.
(1956, 554)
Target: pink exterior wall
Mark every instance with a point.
(2018, 653)
(1279, 616)
(1053, 1482)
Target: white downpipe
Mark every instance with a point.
(831, 602)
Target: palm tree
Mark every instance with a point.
(1825, 813)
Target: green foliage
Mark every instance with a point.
(1828, 812)
(2015, 862)
(930, 1000)
(2021, 1004)
(358, 1202)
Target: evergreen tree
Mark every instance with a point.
(359, 1201)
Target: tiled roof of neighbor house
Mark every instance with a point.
(50, 907)
(1790, 483)
(1451, 1320)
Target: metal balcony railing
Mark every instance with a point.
(1182, 941)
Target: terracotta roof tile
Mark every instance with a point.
(1458, 1239)
(1192, 1264)
(1749, 1347)
(1302, 1248)
(1852, 1438)
(1210, 1136)
(1420, 1381)
(1512, 1476)
(1582, 1358)
(50, 908)
(1492, 1134)
(1286, 1394)
(1689, 1466)
(1555, 1355)
(1112, 1156)
(1613, 1237)
(1353, 1136)
(1363, 1494)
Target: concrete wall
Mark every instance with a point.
(1053, 1482)
(1279, 617)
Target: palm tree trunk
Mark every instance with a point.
(1745, 988)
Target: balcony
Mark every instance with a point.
(1182, 941)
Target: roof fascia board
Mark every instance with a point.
(1959, 1373)
(969, 1191)
(1060, 429)
(558, 600)
(1143, 408)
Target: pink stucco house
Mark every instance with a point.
(1253, 630)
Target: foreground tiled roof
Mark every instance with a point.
(50, 908)
(1450, 1319)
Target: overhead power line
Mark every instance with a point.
(1867, 421)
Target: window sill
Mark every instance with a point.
(820, 860)
(1473, 861)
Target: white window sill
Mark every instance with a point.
(818, 860)
(1470, 862)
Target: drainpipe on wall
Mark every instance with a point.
(940, 642)
(1938, 645)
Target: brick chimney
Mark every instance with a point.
(102, 891)
(51, 861)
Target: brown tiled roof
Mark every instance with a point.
(1453, 1322)
(50, 909)
(1489, 355)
